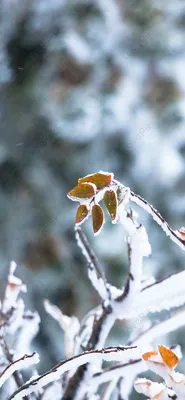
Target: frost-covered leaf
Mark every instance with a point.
(177, 377)
(123, 194)
(81, 214)
(83, 191)
(100, 179)
(163, 364)
(168, 356)
(97, 218)
(152, 389)
(110, 201)
(177, 382)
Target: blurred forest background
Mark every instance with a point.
(87, 85)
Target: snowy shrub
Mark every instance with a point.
(83, 374)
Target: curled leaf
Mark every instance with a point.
(168, 356)
(148, 355)
(83, 191)
(97, 218)
(81, 214)
(100, 179)
(110, 201)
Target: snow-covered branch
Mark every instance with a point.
(13, 288)
(94, 356)
(161, 328)
(82, 373)
(135, 366)
(21, 363)
(138, 248)
(162, 295)
(177, 236)
(95, 272)
(70, 325)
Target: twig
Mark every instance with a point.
(158, 218)
(90, 255)
(118, 371)
(95, 272)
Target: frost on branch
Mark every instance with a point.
(83, 375)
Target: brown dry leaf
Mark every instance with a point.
(97, 218)
(168, 356)
(110, 201)
(82, 191)
(81, 214)
(100, 179)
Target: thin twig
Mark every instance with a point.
(91, 255)
(158, 218)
